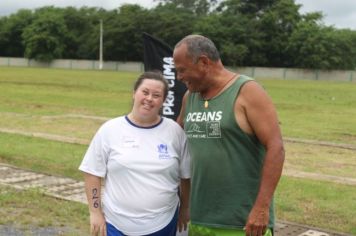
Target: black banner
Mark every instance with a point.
(158, 56)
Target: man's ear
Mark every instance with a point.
(204, 61)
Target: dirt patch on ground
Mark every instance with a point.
(321, 143)
(320, 177)
(47, 136)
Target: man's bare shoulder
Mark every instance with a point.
(253, 92)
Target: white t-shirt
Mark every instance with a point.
(142, 168)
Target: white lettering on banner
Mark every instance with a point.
(167, 110)
(168, 74)
(204, 116)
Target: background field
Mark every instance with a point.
(64, 108)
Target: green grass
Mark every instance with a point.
(39, 100)
(23, 208)
(56, 158)
(75, 127)
(320, 110)
(319, 204)
(55, 91)
(320, 160)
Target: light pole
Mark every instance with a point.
(101, 46)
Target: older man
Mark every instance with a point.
(235, 143)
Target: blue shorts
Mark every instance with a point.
(168, 230)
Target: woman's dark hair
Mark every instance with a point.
(155, 75)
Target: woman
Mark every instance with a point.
(142, 158)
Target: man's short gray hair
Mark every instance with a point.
(198, 45)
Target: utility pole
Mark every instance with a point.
(101, 46)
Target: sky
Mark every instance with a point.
(338, 13)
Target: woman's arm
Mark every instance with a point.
(184, 217)
(93, 192)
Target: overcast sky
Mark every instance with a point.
(339, 13)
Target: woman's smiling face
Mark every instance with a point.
(148, 98)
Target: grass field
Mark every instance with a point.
(318, 110)
(74, 104)
(23, 210)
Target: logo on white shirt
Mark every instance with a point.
(163, 151)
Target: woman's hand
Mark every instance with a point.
(97, 224)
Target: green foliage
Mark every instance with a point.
(174, 22)
(235, 54)
(123, 33)
(277, 25)
(251, 8)
(82, 38)
(320, 47)
(269, 33)
(197, 7)
(44, 37)
(11, 30)
(230, 35)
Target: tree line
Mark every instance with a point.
(270, 33)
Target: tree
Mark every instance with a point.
(251, 8)
(198, 7)
(44, 38)
(3, 39)
(170, 23)
(247, 32)
(351, 37)
(320, 47)
(11, 29)
(123, 33)
(228, 33)
(234, 53)
(277, 24)
(228, 27)
(82, 25)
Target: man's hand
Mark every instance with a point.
(183, 219)
(257, 221)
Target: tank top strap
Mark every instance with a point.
(240, 82)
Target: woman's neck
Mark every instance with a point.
(143, 121)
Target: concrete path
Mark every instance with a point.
(73, 190)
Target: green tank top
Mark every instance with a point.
(226, 161)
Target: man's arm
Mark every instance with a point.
(262, 118)
(93, 192)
